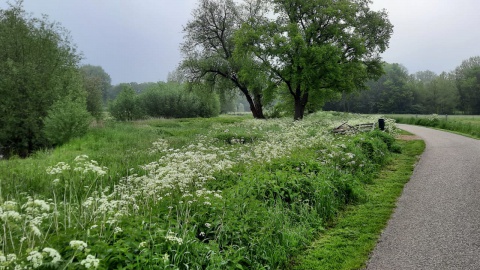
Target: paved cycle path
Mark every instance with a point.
(437, 221)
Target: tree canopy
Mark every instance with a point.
(96, 75)
(38, 66)
(209, 49)
(318, 47)
(467, 77)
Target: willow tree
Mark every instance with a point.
(38, 68)
(316, 47)
(209, 49)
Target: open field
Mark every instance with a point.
(223, 193)
(465, 124)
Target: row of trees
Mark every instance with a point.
(296, 52)
(397, 91)
(171, 100)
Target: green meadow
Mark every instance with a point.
(222, 193)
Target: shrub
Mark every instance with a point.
(65, 120)
(173, 101)
(126, 106)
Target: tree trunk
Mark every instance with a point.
(300, 104)
(257, 101)
(255, 106)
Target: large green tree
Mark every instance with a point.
(96, 83)
(209, 49)
(317, 47)
(434, 93)
(96, 75)
(38, 67)
(467, 77)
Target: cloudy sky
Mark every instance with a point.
(138, 40)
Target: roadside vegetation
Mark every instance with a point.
(464, 124)
(220, 193)
(353, 235)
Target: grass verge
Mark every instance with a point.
(466, 126)
(352, 238)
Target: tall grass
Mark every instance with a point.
(468, 125)
(225, 193)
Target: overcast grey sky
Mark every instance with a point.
(138, 40)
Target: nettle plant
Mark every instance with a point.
(196, 206)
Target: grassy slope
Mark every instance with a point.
(349, 242)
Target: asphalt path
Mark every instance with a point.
(436, 224)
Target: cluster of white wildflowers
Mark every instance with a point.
(59, 168)
(159, 146)
(90, 262)
(283, 137)
(34, 259)
(391, 126)
(8, 261)
(172, 237)
(433, 117)
(84, 165)
(338, 157)
(9, 212)
(78, 245)
(182, 169)
(36, 212)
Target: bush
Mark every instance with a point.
(126, 106)
(65, 120)
(173, 101)
(38, 67)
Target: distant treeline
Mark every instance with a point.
(131, 101)
(397, 91)
(170, 100)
